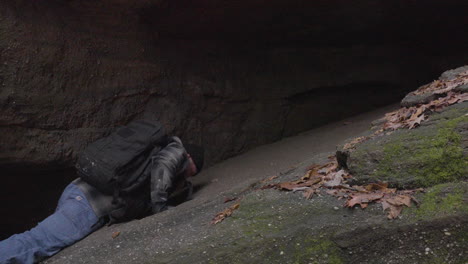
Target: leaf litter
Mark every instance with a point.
(224, 214)
(332, 178)
(412, 117)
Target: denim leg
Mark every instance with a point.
(73, 219)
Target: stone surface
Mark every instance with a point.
(279, 227)
(271, 226)
(433, 153)
(412, 99)
(73, 70)
(451, 74)
(415, 99)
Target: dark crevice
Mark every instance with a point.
(33, 198)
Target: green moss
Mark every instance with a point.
(317, 251)
(427, 159)
(442, 200)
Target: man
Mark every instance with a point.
(82, 209)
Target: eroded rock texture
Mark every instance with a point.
(227, 74)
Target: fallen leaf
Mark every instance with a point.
(224, 214)
(229, 199)
(309, 193)
(400, 200)
(307, 175)
(329, 167)
(338, 193)
(115, 234)
(270, 179)
(297, 184)
(441, 87)
(412, 124)
(362, 199)
(381, 186)
(314, 167)
(358, 188)
(288, 185)
(354, 142)
(393, 211)
(392, 126)
(336, 180)
(268, 186)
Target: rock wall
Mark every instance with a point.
(227, 75)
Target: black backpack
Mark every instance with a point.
(121, 162)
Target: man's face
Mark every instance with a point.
(191, 169)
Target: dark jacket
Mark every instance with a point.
(166, 184)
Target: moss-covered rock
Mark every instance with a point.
(277, 227)
(441, 200)
(431, 154)
(282, 227)
(272, 226)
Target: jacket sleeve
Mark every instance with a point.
(166, 165)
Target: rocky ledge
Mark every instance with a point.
(269, 225)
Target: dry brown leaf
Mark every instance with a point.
(393, 204)
(226, 213)
(354, 142)
(413, 123)
(310, 173)
(364, 205)
(288, 185)
(269, 179)
(381, 186)
(229, 199)
(298, 184)
(314, 167)
(385, 205)
(314, 180)
(441, 87)
(309, 193)
(413, 116)
(400, 200)
(392, 125)
(338, 193)
(329, 167)
(268, 186)
(115, 234)
(336, 179)
(393, 211)
(363, 199)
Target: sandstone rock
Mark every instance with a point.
(433, 153)
(450, 74)
(71, 71)
(278, 227)
(412, 99)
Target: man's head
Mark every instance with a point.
(196, 155)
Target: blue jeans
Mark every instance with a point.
(73, 219)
